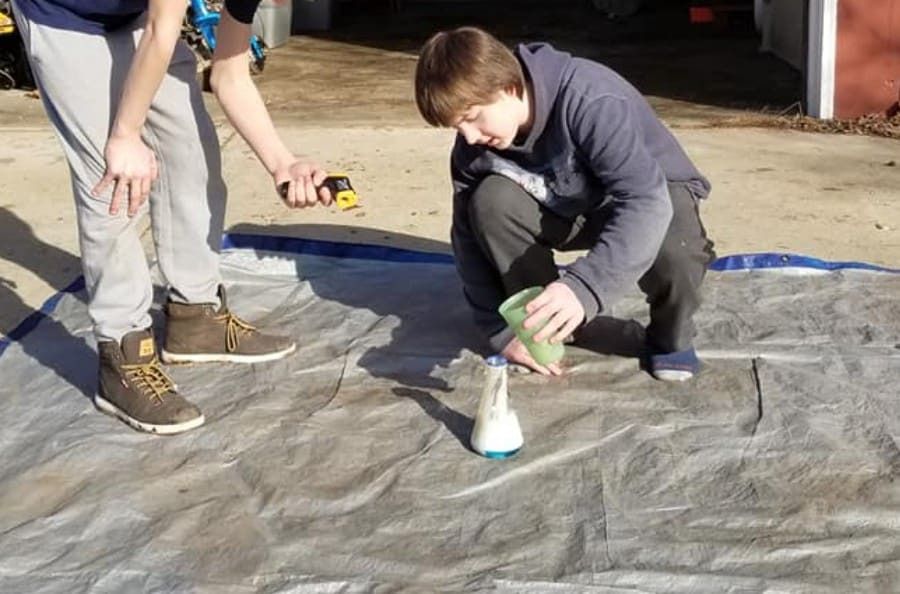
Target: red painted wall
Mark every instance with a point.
(867, 67)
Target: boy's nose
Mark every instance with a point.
(469, 133)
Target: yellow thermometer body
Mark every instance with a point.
(341, 190)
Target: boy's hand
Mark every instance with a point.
(130, 169)
(515, 352)
(298, 183)
(560, 307)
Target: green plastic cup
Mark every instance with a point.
(513, 311)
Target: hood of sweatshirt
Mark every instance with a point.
(544, 68)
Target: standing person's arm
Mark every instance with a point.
(245, 109)
(130, 164)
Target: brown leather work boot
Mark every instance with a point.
(134, 387)
(200, 333)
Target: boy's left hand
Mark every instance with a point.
(299, 183)
(515, 352)
(559, 305)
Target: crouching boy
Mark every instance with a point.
(558, 152)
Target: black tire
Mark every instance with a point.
(205, 82)
(257, 65)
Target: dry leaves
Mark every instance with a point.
(869, 125)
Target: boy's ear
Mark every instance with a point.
(509, 91)
(514, 91)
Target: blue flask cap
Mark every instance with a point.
(496, 361)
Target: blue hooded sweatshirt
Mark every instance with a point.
(594, 142)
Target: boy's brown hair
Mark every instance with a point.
(461, 68)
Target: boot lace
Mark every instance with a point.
(234, 328)
(149, 378)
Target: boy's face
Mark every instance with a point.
(494, 124)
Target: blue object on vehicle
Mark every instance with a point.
(206, 20)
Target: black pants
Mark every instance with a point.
(519, 235)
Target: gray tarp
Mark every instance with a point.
(344, 468)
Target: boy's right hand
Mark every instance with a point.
(131, 169)
(515, 352)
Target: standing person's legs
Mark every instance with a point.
(187, 202)
(187, 205)
(80, 79)
(79, 86)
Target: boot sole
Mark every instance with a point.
(111, 409)
(169, 357)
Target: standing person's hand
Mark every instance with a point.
(130, 169)
(515, 352)
(560, 307)
(299, 184)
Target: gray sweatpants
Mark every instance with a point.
(518, 235)
(80, 78)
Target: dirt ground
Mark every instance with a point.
(345, 97)
(831, 196)
(362, 71)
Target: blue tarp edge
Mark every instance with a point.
(360, 251)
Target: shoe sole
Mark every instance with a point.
(672, 375)
(111, 409)
(169, 357)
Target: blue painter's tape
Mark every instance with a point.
(776, 260)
